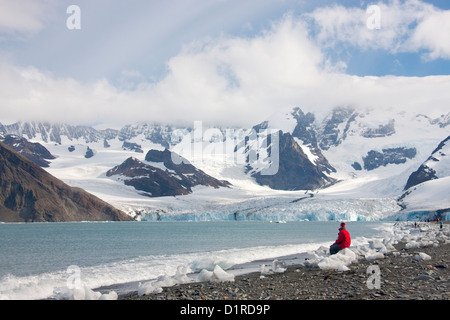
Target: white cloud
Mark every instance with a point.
(25, 16)
(432, 34)
(227, 80)
(405, 26)
(262, 72)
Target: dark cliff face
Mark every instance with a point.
(425, 172)
(295, 170)
(165, 177)
(287, 166)
(376, 159)
(153, 181)
(335, 127)
(182, 169)
(28, 193)
(35, 152)
(305, 131)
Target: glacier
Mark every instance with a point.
(278, 209)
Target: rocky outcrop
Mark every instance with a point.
(443, 121)
(89, 153)
(160, 175)
(35, 152)
(376, 159)
(434, 167)
(154, 132)
(295, 169)
(335, 127)
(53, 132)
(305, 131)
(132, 147)
(28, 193)
(380, 132)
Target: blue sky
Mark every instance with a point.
(218, 60)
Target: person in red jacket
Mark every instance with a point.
(343, 241)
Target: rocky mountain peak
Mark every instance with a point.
(295, 171)
(35, 152)
(28, 193)
(436, 166)
(160, 176)
(335, 127)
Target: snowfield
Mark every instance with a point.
(366, 197)
(365, 194)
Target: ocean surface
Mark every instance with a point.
(37, 260)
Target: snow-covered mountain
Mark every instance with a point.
(436, 166)
(160, 176)
(294, 164)
(33, 151)
(28, 193)
(428, 187)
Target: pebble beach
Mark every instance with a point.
(407, 272)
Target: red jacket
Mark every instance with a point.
(343, 239)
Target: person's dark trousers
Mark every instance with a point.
(334, 248)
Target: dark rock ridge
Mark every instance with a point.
(278, 159)
(376, 159)
(356, 166)
(161, 176)
(313, 138)
(295, 170)
(442, 121)
(306, 132)
(35, 152)
(89, 153)
(382, 130)
(132, 147)
(335, 127)
(28, 193)
(331, 132)
(156, 133)
(53, 132)
(425, 172)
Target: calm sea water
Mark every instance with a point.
(36, 256)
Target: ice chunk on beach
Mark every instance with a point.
(376, 244)
(222, 275)
(265, 270)
(156, 286)
(374, 256)
(278, 267)
(181, 275)
(218, 275)
(343, 268)
(109, 296)
(412, 244)
(422, 256)
(83, 293)
(205, 275)
(338, 261)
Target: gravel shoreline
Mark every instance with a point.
(401, 277)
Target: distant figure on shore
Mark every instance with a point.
(343, 241)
